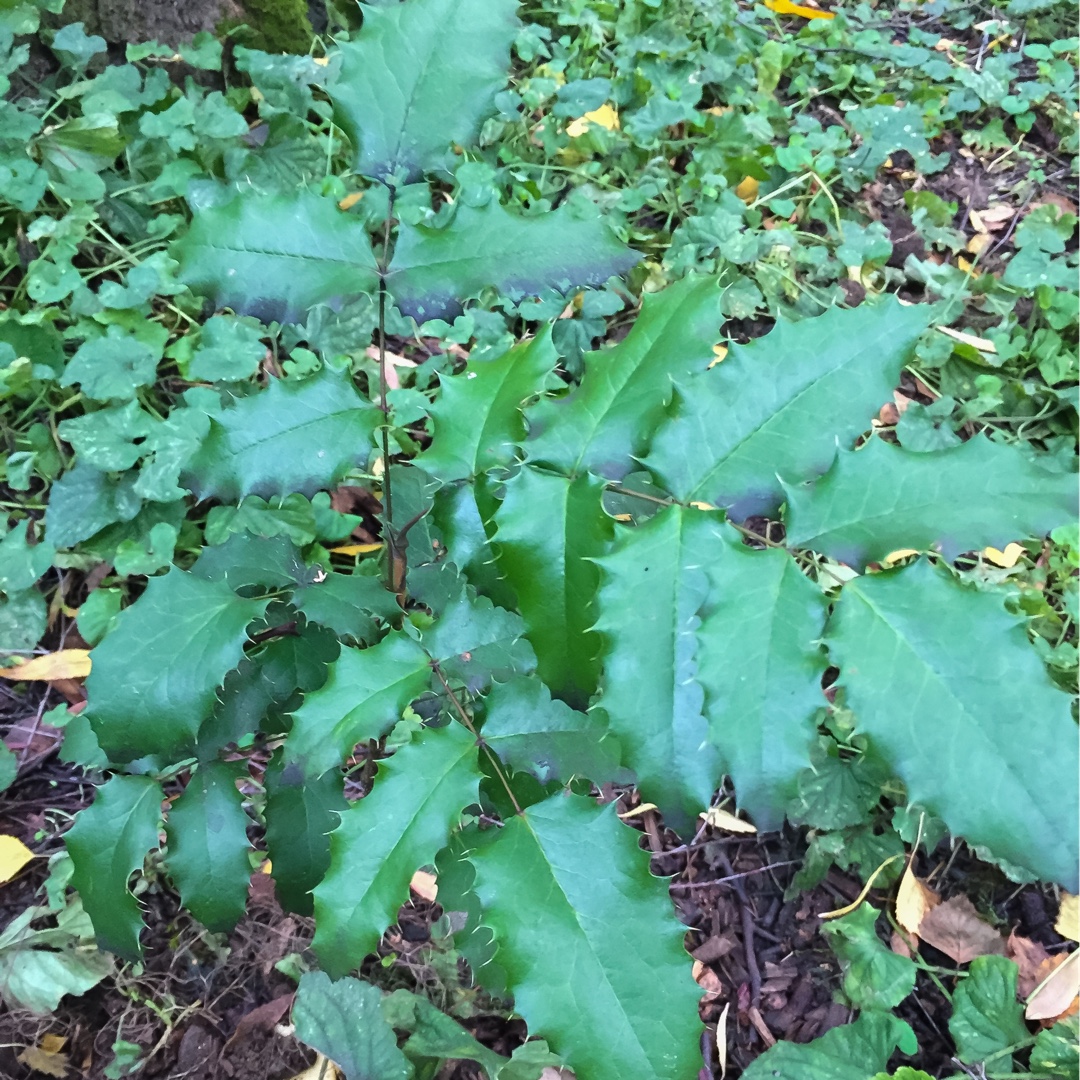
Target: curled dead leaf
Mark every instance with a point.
(1068, 920)
(913, 900)
(1057, 994)
(1029, 956)
(424, 885)
(724, 819)
(605, 117)
(956, 929)
(1005, 559)
(65, 664)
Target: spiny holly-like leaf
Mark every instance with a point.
(385, 838)
(986, 1017)
(473, 642)
(301, 812)
(208, 847)
(881, 498)
(244, 560)
(477, 416)
(944, 682)
(365, 693)
(550, 529)
(348, 604)
(276, 256)
(108, 842)
(780, 404)
(654, 589)
(614, 412)
(761, 671)
(418, 77)
(343, 1020)
(572, 903)
(433, 270)
(850, 1052)
(533, 732)
(154, 677)
(295, 436)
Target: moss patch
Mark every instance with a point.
(277, 26)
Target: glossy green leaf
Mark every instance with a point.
(1056, 1053)
(294, 436)
(986, 1016)
(944, 682)
(155, 676)
(208, 847)
(365, 694)
(108, 842)
(301, 812)
(433, 270)
(385, 838)
(853, 1051)
(477, 417)
(778, 406)
(613, 414)
(349, 604)
(276, 256)
(84, 501)
(343, 1020)
(533, 732)
(655, 587)
(761, 669)
(243, 560)
(404, 94)
(22, 563)
(229, 349)
(549, 532)
(874, 976)
(570, 898)
(883, 498)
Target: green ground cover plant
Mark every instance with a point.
(632, 565)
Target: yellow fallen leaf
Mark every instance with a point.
(723, 819)
(898, 556)
(1068, 920)
(1005, 559)
(322, 61)
(14, 855)
(786, 7)
(719, 110)
(53, 1044)
(982, 344)
(65, 664)
(605, 117)
(424, 885)
(913, 900)
(978, 243)
(702, 506)
(356, 549)
(747, 189)
(644, 808)
(350, 200)
(1057, 992)
(46, 1062)
(323, 1069)
(719, 353)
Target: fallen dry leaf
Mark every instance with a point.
(1068, 920)
(1056, 996)
(46, 1060)
(14, 855)
(913, 900)
(747, 189)
(350, 200)
(847, 909)
(899, 945)
(356, 549)
(995, 217)
(982, 344)
(719, 352)
(1029, 956)
(724, 819)
(898, 556)
(786, 7)
(1005, 559)
(605, 117)
(424, 885)
(955, 928)
(1052, 198)
(263, 1018)
(978, 243)
(707, 979)
(323, 1069)
(65, 664)
(721, 1040)
(644, 808)
(393, 362)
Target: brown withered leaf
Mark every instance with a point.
(913, 900)
(1058, 995)
(1029, 956)
(955, 928)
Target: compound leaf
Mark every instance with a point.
(301, 812)
(108, 842)
(208, 847)
(294, 436)
(945, 683)
(365, 693)
(418, 77)
(566, 889)
(477, 416)
(550, 529)
(276, 256)
(779, 405)
(433, 270)
(761, 671)
(986, 1017)
(155, 675)
(533, 732)
(343, 1020)
(385, 838)
(612, 415)
(882, 498)
(655, 585)
(851, 1052)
